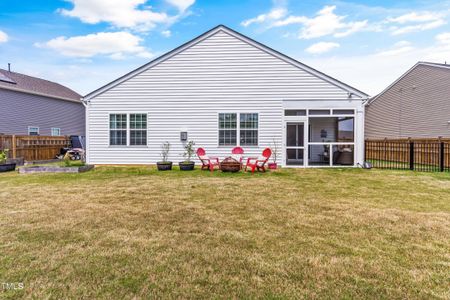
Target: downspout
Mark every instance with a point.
(86, 103)
(365, 102)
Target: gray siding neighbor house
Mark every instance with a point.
(417, 105)
(34, 106)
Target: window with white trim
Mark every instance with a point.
(118, 129)
(238, 129)
(56, 131)
(248, 129)
(227, 129)
(32, 130)
(138, 129)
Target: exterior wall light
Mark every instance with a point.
(183, 136)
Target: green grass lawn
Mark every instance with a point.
(125, 233)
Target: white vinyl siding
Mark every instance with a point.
(187, 92)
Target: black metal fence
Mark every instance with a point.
(425, 155)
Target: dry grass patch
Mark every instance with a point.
(137, 233)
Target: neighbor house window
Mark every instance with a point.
(56, 131)
(249, 129)
(32, 130)
(227, 129)
(138, 129)
(117, 129)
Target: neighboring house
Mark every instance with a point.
(34, 106)
(416, 105)
(224, 90)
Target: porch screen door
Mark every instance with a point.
(295, 143)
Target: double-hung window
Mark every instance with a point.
(238, 129)
(56, 131)
(32, 130)
(118, 129)
(227, 129)
(128, 129)
(248, 129)
(138, 129)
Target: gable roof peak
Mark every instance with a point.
(419, 63)
(240, 36)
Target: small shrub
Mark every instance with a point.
(165, 149)
(3, 156)
(66, 160)
(188, 151)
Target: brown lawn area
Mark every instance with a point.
(122, 233)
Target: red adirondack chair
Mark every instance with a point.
(258, 163)
(238, 154)
(207, 162)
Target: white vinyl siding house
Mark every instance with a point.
(224, 90)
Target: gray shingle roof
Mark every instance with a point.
(25, 83)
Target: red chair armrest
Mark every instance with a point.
(250, 158)
(214, 158)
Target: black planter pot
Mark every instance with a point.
(187, 166)
(164, 166)
(7, 167)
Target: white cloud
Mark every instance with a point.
(275, 14)
(443, 38)
(372, 73)
(3, 37)
(417, 28)
(398, 48)
(119, 13)
(114, 44)
(415, 17)
(416, 22)
(322, 47)
(326, 22)
(182, 5)
(166, 33)
(353, 27)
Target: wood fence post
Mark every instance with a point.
(14, 150)
(411, 154)
(441, 155)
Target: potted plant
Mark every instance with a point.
(164, 165)
(273, 165)
(4, 167)
(187, 164)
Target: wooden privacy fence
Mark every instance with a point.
(31, 147)
(428, 155)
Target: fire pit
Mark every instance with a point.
(229, 164)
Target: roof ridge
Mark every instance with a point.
(29, 76)
(434, 64)
(38, 86)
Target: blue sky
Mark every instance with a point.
(87, 43)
